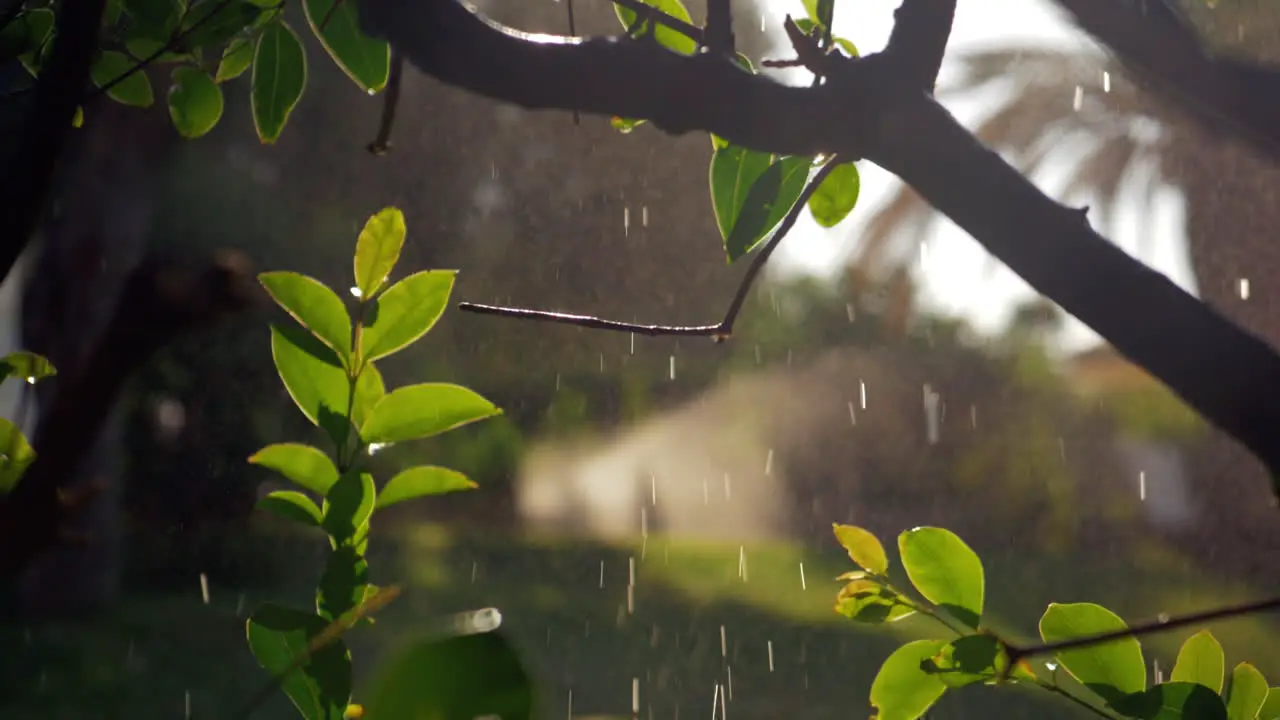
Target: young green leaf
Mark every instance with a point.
(863, 548)
(1173, 701)
(291, 505)
(134, 90)
(321, 686)
(1112, 670)
(968, 660)
(421, 411)
(279, 77)
(195, 102)
(467, 676)
(213, 22)
(235, 60)
(945, 571)
(1247, 694)
(26, 366)
(314, 377)
(624, 125)
(902, 689)
(366, 60)
(158, 19)
(378, 249)
(750, 193)
(1200, 660)
(348, 506)
(16, 455)
(314, 305)
(667, 37)
(836, 196)
(1271, 707)
(25, 36)
(405, 312)
(344, 584)
(304, 465)
(421, 481)
(870, 602)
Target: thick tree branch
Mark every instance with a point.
(875, 108)
(1154, 39)
(919, 39)
(28, 175)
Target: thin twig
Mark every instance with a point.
(390, 101)
(1080, 702)
(324, 22)
(573, 32)
(1147, 628)
(719, 332)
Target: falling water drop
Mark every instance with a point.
(653, 490)
(862, 394)
(474, 567)
(633, 343)
(626, 221)
(1142, 485)
(1244, 288)
(848, 308)
(1106, 81)
(569, 715)
(728, 673)
(644, 216)
(186, 704)
(204, 588)
(973, 416)
(770, 644)
(355, 292)
(932, 423)
(742, 562)
(601, 574)
(853, 419)
(803, 585)
(724, 647)
(1078, 101)
(672, 372)
(768, 463)
(635, 695)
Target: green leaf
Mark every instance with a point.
(1248, 693)
(314, 306)
(1111, 670)
(344, 584)
(625, 125)
(367, 61)
(867, 601)
(1271, 708)
(321, 686)
(157, 19)
(751, 192)
(314, 377)
(378, 249)
(279, 77)
(667, 37)
(806, 26)
(304, 465)
(945, 571)
(405, 312)
(217, 21)
(836, 196)
(1173, 701)
(195, 102)
(968, 660)
(348, 506)
(421, 481)
(134, 90)
(863, 547)
(468, 676)
(144, 48)
(235, 59)
(25, 36)
(1200, 661)
(26, 366)
(16, 455)
(291, 505)
(902, 689)
(421, 411)
(369, 392)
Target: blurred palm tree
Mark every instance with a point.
(1081, 111)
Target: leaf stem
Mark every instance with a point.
(1073, 698)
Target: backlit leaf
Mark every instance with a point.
(349, 505)
(750, 193)
(314, 305)
(666, 37)
(902, 690)
(314, 377)
(836, 196)
(378, 249)
(1173, 701)
(1247, 694)
(195, 102)
(863, 547)
(134, 90)
(421, 411)
(213, 22)
(1112, 670)
(1200, 660)
(291, 505)
(367, 61)
(321, 686)
(26, 366)
(945, 571)
(235, 59)
(304, 465)
(16, 455)
(405, 312)
(422, 481)
(279, 77)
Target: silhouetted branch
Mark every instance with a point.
(871, 107)
(719, 29)
(919, 38)
(718, 332)
(1148, 628)
(1153, 38)
(648, 12)
(390, 102)
(56, 95)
